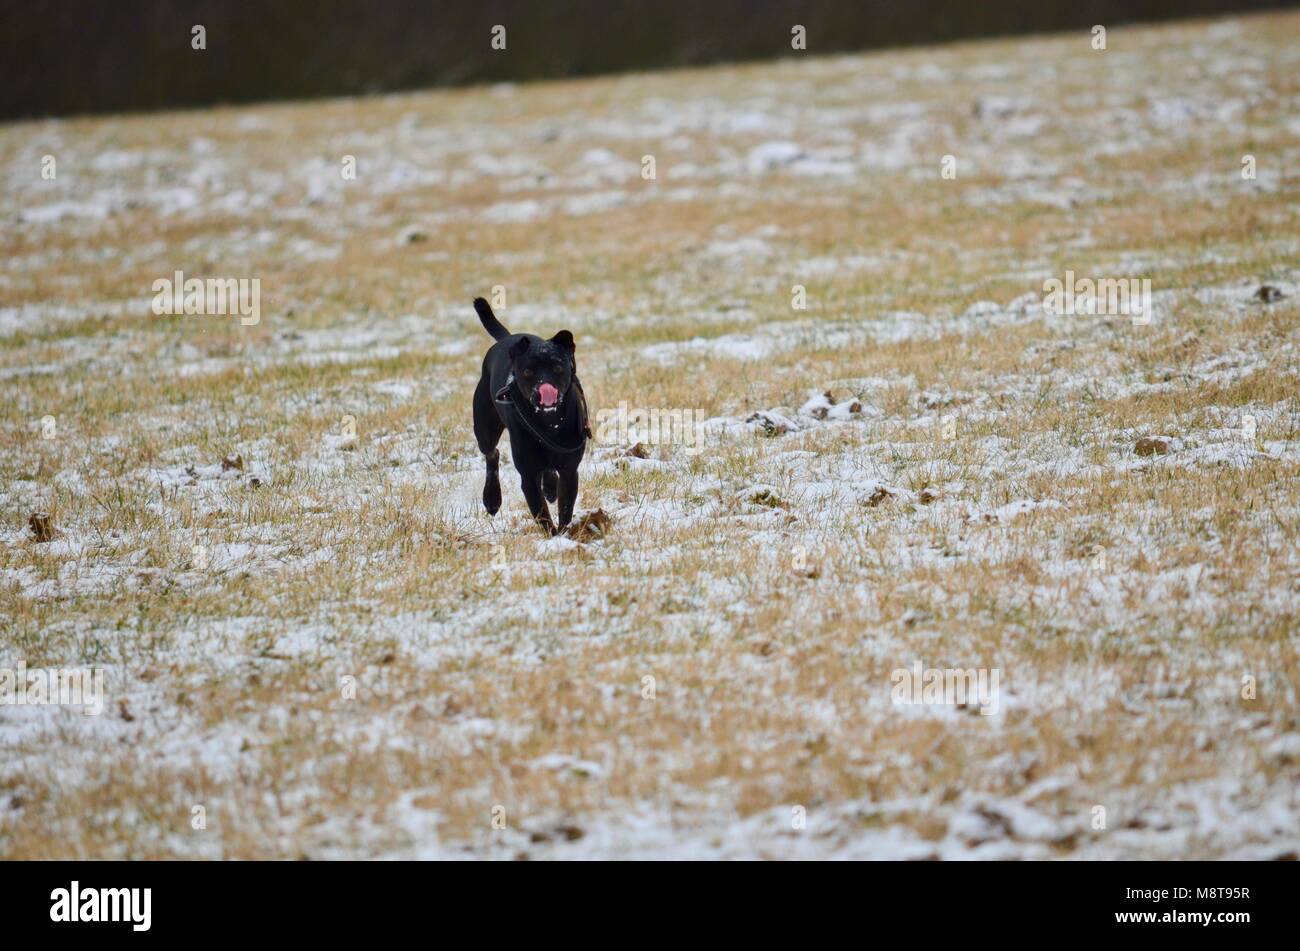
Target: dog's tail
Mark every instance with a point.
(489, 319)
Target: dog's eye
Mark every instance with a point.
(528, 373)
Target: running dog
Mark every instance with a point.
(530, 387)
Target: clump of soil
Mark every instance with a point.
(1147, 446)
(880, 495)
(768, 498)
(589, 527)
(42, 526)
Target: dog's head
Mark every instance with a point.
(543, 370)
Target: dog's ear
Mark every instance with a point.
(564, 340)
(519, 347)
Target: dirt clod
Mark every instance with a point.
(591, 526)
(772, 426)
(881, 494)
(42, 526)
(768, 498)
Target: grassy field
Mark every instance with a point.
(323, 647)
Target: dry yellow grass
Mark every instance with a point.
(764, 585)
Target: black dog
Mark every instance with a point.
(530, 387)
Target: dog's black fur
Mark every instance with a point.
(546, 443)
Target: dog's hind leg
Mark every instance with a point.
(487, 430)
(550, 484)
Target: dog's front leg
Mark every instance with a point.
(568, 495)
(531, 483)
(491, 483)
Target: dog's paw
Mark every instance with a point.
(550, 484)
(492, 497)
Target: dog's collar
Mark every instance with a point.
(503, 395)
(509, 395)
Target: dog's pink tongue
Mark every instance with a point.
(548, 394)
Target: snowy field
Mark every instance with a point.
(315, 642)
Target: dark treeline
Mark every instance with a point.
(65, 57)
